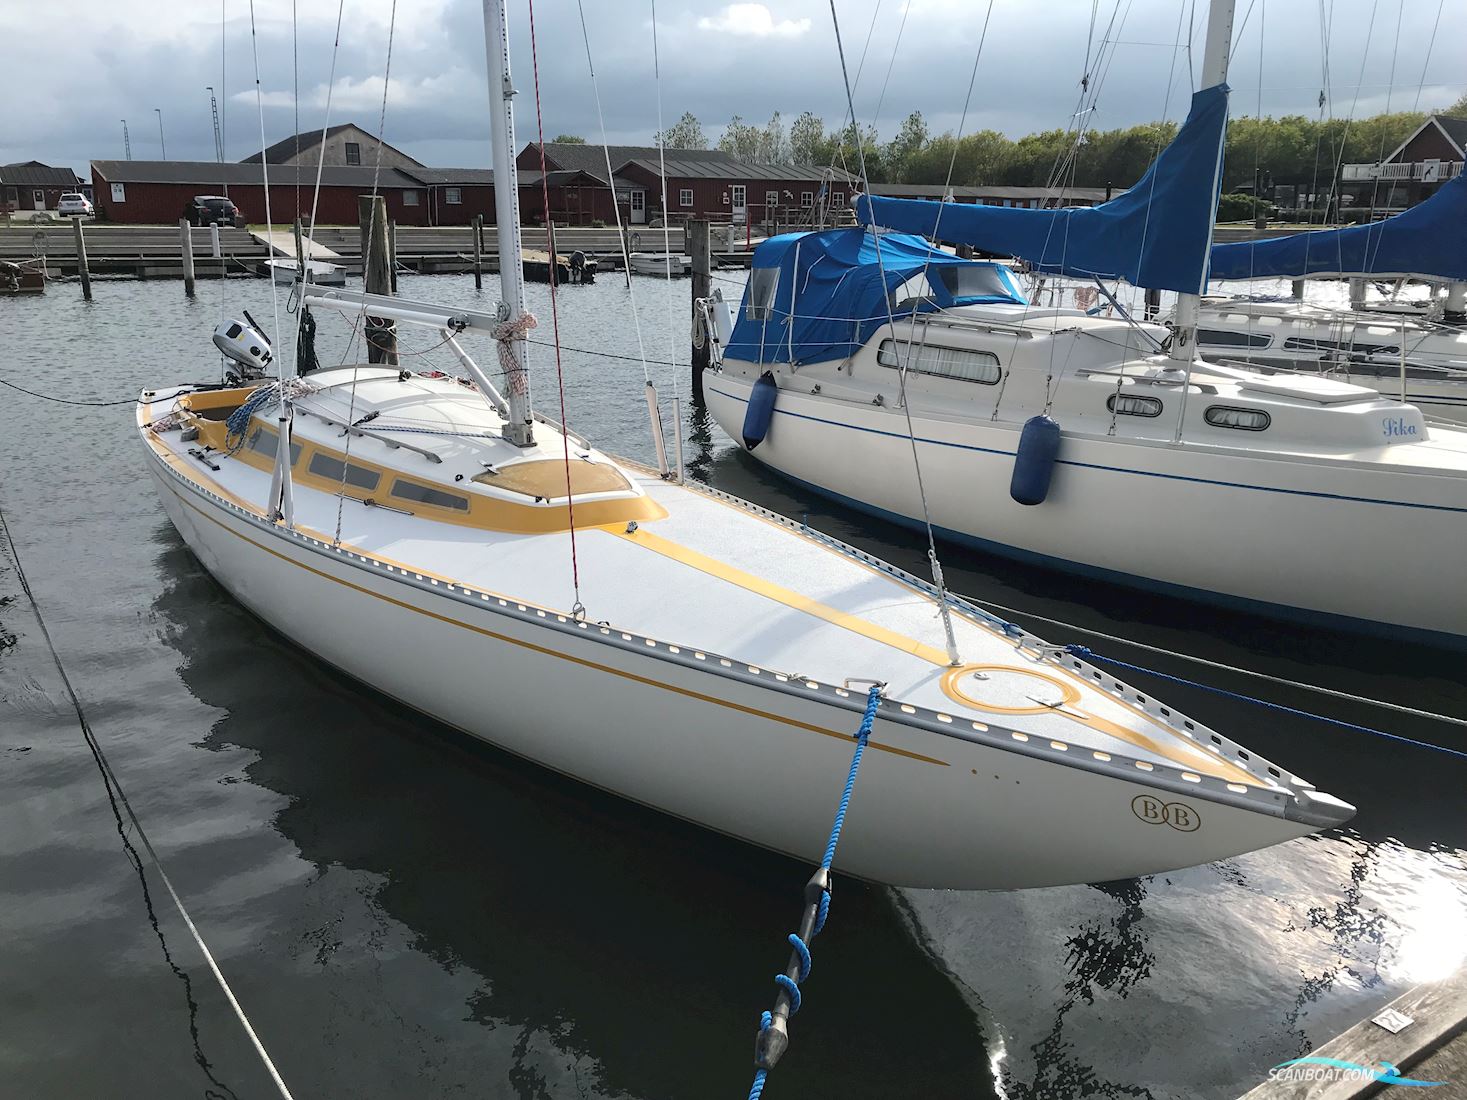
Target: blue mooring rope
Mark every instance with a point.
(766, 1056)
(238, 421)
(1087, 654)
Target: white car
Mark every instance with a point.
(74, 205)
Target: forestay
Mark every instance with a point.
(1156, 235)
(1428, 239)
(814, 297)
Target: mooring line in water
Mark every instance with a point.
(109, 778)
(773, 1037)
(1399, 708)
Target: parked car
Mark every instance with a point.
(73, 204)
(210, 210)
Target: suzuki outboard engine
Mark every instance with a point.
(243, 345)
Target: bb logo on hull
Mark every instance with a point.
(1154, 811)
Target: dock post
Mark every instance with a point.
(214, 248)
(1153, 303)
(478, 251)
(81, 260)
(392, 255)
(186, 250)
(700, 249)
(377, 275)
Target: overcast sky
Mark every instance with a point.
(80, 66)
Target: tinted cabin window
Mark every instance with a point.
(422, 494)
(959, 363)
(1302, 343)
(1224, 338)
(333, 469)
(1126, 405)
(965, 281)
(1245, 420)
(267, 443)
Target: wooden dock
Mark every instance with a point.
(1426, 1040)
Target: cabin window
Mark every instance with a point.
(422, 494)
(685, 196)
(973, 281)
(453, 196)
(1125, 404)
(913, 292)
(807, 198)
(762, 281)
(410, 198)
(1225, 338)
(333, 469)
(353, 152)
(1245, 420)
(962, 364)
(267, 443)
(1304, 343)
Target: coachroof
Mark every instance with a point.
(32, 173)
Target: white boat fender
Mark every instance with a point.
(760, 410)
(1034, 461)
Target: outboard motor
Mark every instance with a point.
(243, 345)
(577, 266)
(1034, 462)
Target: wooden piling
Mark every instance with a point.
(81, 260)
(478, 251)
(186, 250)
(700, 248)
(392, 256)
(377, 275)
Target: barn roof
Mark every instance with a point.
(211, 173)
(32, 173)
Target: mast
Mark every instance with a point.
(1214, 72)
(519, 426)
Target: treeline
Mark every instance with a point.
(1290, 150)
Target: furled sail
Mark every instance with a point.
(1155, 235)
(1428, 239)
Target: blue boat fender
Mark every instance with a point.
(760, 410)
(1039, 445)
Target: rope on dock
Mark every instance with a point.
(1087, 654)
(773, 1038)
(109, 778)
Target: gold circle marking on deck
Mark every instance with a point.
(953, 677)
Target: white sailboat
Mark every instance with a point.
(444, 545)
(1149, 466)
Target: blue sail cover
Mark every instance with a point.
(1428, 239)
(1155, 235)
(813, 297)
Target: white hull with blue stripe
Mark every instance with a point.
(1299, 494)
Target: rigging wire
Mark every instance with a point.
(936, 565)
(265, 179)
(578, 609)
(116, 795)
(667, 241)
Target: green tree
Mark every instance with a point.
(774, 147)
(807, 140)
(568, 139)
(911, 138)
(685, 133)
(740, 139)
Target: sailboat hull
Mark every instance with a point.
(710, 746)
(1288, 534)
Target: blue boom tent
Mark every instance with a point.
(1430, 239)
(814, 297)
(1155, 235)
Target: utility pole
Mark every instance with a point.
(163, 144)
(126, 141)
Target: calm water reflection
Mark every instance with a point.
(404, 912)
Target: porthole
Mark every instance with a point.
(1244, 420)
(1124, 404)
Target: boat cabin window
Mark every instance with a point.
(267, 443)
(422, 494)
(1225, 338)
(973, 281)
(1125, 404)
(1304, 343)
(913, 292)
(1246, 420)
(961, 363)
(762, 281)
(333, 469)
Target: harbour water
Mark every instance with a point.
(403, 912)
